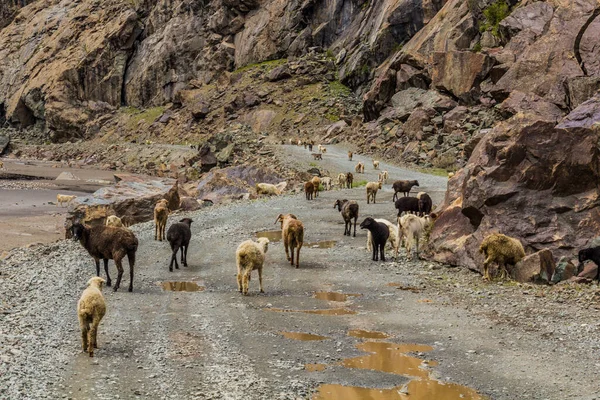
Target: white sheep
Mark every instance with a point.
(375, 164)
(113, 220)
(90, 310)
(393, 240)
(372, 188)
(250, 255)
(63, 198)
(342, 180)
(359, 168)
(412, 229)
(326, 181)
(268, 189)
(384, 176)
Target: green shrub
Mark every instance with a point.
(356, 184)
(494, 14)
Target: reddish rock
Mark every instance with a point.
(537, 266)
(590, 271)
(519, 102)
(460, 72)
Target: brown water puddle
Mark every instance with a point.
(181, 286)
(392, 358)
(403, 287)
(303, 336)
(325, 244)
(334, 296)
(329, 311)
(359, 333)
(275, 236)
(315, 367)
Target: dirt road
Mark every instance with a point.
(430, 329)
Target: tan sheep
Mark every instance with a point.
(372, 188)
(375, 164)
(113, 220)
(63, 198)
(412, 229)
(342, 180)
(359, 168)
(249, 256)
(268, 189)
(384, 176)
(161, 214)
(326, 181)
(316, 181)
(90, 310)
(350, 156)
(502, 250)
(393, 239)
(292, 232)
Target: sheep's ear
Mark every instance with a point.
(279, 217)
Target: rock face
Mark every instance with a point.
(538, 266)
(520, 181)
(233, 183)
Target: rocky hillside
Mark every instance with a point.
(502, 88)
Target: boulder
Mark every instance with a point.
(4, 141)
(189, 204)
(408, 77)
(405, 101)
(279, 73)
(67, 176)
(208, 159)
(460, 72)
(582, 88)
(565, 269)
(419, 118)
(519, 102)
(538, 266)
(533, 17)
(589, 271)
(199, 110)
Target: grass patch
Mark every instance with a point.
(337, 88)
(332, 117)
(313, 164)
(356, 184)
(477, 47)
(266, 65)
(494, 14)
(434, 171)
(149, 116)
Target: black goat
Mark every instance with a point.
(425, 204)
(179, 235)
(593, 254)
(379, 236)
(404, 187)
(407, 204)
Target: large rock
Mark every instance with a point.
(406, 101)
(4, 141)
(519, 102)
(530, 179)
(538, 266)
(565, 269)
(460, 72)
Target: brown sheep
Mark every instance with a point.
(316, 181)
(349, 180)
(308, 190)
(90, 311)
(372, 188)
(292, 233)
(108, 243)
(375, 164)
(359, 168)
(161, 214)
(350, 156)
(502, 250)
(349, 210)
(250, 255)
(404, 187)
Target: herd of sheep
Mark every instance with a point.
(415, 220)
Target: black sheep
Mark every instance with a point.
(593, 254)
(349, 210)
(179, 235)
(379, 236)
(407, 204)
(404, 187)
(425, 204)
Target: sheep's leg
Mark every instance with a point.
(131, 258)
(374, 254)
(182, 256)
(239, 281)
(382, 251)
(84, 332)
(108, 281)
(285, 244)
(298, 255)
(97, 260)
(245, 283)
(354, 228)
(417, 241)
(292, 254)
(155, 230)
(185, 255)
(120, 273)
(260, 279)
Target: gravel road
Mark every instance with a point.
(501, 341)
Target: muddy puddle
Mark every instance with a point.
(275, 236)
(359, 333)
(334, 296)
(329, 311)
(181, 286)
(303, 336)
(395, 359)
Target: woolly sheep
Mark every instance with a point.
(317, 156)
(63, 198)
(372, 188)
(359, 168)
(407, 204)
(375, 164)
(404, 187)
(108, 243)
(250, 255)
(292, 233)
(179, 235)
(342, 180)
(326, 181)
(90, 311)
(379, 236)
(161, 214)
(383, 176)
(309, 189)
(349, 210)
(394, 239)
(412, 228)
(349, 156)
(267, 189)
(316, 181)
(113, 220)
(425, 203)
(502, 250)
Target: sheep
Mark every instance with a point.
(375, 164)
(350, 156)
(323, 149)
(320, 148)
(250, 255)
(326, 181)
(425, 203)
(404, 187)
(372, 188)
(161, 214)
(63, 198)
(394, 239)
(412, 229)
(317, 156)
(383, 176)
(379, 236)
(407, 204)
(90, 311)
(349, 180)
(309, 190)
(349, 210)
(292, 233)
(359, 168)
(268, 189)
(502, 250)
(342, 180)
(591, 253)
(1, 165)
(310, 148)
(113, 220)
(316, 181)
(108, 243)
(179, 235)
(299, 142)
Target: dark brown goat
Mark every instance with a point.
(108, 243)
(179, 235)
(349, 210)
(404, 187)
